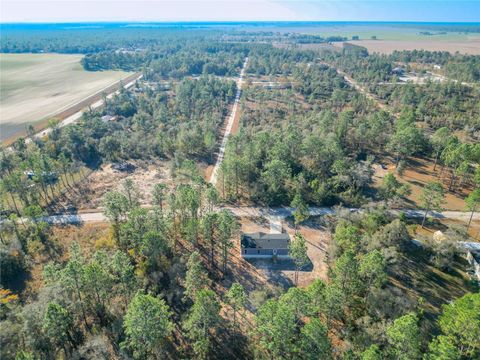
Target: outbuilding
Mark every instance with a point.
(264, 246)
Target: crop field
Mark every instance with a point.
(467, 46)
(390, 37)
(35, 87)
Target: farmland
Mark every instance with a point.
(467, 46)
(347, 167)
(38, 86)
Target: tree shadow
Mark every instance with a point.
(18, 283)
(232, 344)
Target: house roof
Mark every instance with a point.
(261, 240)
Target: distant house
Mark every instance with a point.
(30, 174)
(398, 70)
(437, 67)
(107, 118)
(473, 258)
(263, 246)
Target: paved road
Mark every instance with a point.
(278, 212)
(228, 129)
(75, 117)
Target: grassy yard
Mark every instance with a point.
(35, 87)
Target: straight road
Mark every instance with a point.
(354, 84)
(228, 128)
(75, 117)
(278, 212)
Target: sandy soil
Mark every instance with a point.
(443, 225)
(145, 176)
(38, 86)
(388, 46)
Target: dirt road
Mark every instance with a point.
(228, 128)
(278, 213)
(353, 83)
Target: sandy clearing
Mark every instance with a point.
(144, 176)
(471, 47)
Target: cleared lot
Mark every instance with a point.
(35, 87)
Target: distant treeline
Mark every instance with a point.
(191, 58)
(90, 39)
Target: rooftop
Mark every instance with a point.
(261, 240)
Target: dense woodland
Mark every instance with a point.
(161, 284)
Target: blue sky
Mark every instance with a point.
(236, 10)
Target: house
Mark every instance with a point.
(473, 257)
(107, 118)
(264, 246)
(398, 70)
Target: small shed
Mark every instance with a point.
(263, 246)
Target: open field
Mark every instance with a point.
(35, 87)
(365, 30)
(467, 46)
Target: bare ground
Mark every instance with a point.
(144, 176)
(418, 172)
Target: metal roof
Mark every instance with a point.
(261, 240)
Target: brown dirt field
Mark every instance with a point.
(434, 225)
(71, 110)
(37, 87)
(145, 176)
(418, 172)
(471, 47)
(58, 247)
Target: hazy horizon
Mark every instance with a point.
(73, 11)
